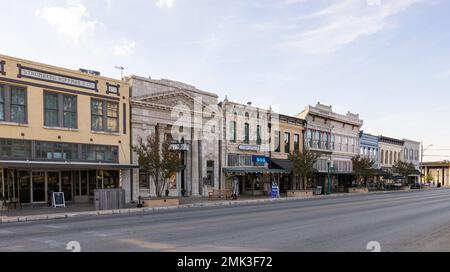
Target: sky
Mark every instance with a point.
(387, 60)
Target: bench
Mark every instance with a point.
(217, 194)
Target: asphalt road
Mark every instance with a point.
(413, 221)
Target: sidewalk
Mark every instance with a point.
(49, 213)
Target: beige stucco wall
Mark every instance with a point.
(35, 129)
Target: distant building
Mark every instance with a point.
(439, 171)
(370, 148)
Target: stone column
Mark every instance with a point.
(195, 164)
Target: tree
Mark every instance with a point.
(303, 166)
(429, 177)
(404, 169)
(158, 160)
(362, 168)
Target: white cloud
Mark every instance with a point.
(124, 48)
(345, 22)
(71, 21)
(165, 3)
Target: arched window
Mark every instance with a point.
(411, 154)
(247, 115)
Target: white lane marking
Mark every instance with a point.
(56, 226)
(96, 233)
(49, 242)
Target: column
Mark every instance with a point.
(195, 164)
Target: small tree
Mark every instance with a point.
(303, 166)
(404, 169)
(158, 160)
(429, 177)
(362, 168)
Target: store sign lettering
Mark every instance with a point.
(56, 78)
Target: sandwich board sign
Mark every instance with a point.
(58, 200)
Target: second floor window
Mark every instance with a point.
(233, 131)
(104, 115)
(296, 142)
(258, 134)
(13, 104)
(60, 110)
(277, 141)
(287, 142)
(246, 133)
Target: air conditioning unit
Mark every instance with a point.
(90, 72)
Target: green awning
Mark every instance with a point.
(252, 170)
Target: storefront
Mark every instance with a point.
(253, 181)
(34, 182)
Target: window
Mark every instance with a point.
(56, 151)
(296, 143)
(309, 137)
(104, 115)
(233, 160)
(18, 105)
(416, 155)
(258, 134)
(60, 110)
(69, 111)
(382, 156)
(390, 157)
(2, 103)
(277, 141)
(287, 142)
(246, 133)
(51, 118)
(411, 154)
(15, 149)
(233, 131)
(210, 173)
(13, 104)
(112, 117)
(143, 180)
(100, 153)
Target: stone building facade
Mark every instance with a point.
(336, 138)
(246, 147)
(189, 118)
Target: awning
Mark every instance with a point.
(283, 164)
(252, 170)
(65, 165)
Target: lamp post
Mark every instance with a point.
(329, 178)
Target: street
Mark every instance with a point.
(399, 221)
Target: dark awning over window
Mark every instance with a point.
(283, 164)
(64, 165)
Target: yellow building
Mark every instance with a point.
(61, 130)
(287, 135)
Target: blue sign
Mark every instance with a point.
(274, 190)
(260, 159)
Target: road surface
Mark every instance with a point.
(411, 221)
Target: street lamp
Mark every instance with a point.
(329, 178)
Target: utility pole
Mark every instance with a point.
(121, 71)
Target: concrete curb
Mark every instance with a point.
(14, 219)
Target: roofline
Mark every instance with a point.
(163, 84)
(62, 69)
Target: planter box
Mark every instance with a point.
(358, 190)
(406, 188)
(161, 202)
(299, 193)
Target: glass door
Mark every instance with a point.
(38, 185)
(24, 184)
(66, 185)
(52, 184)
